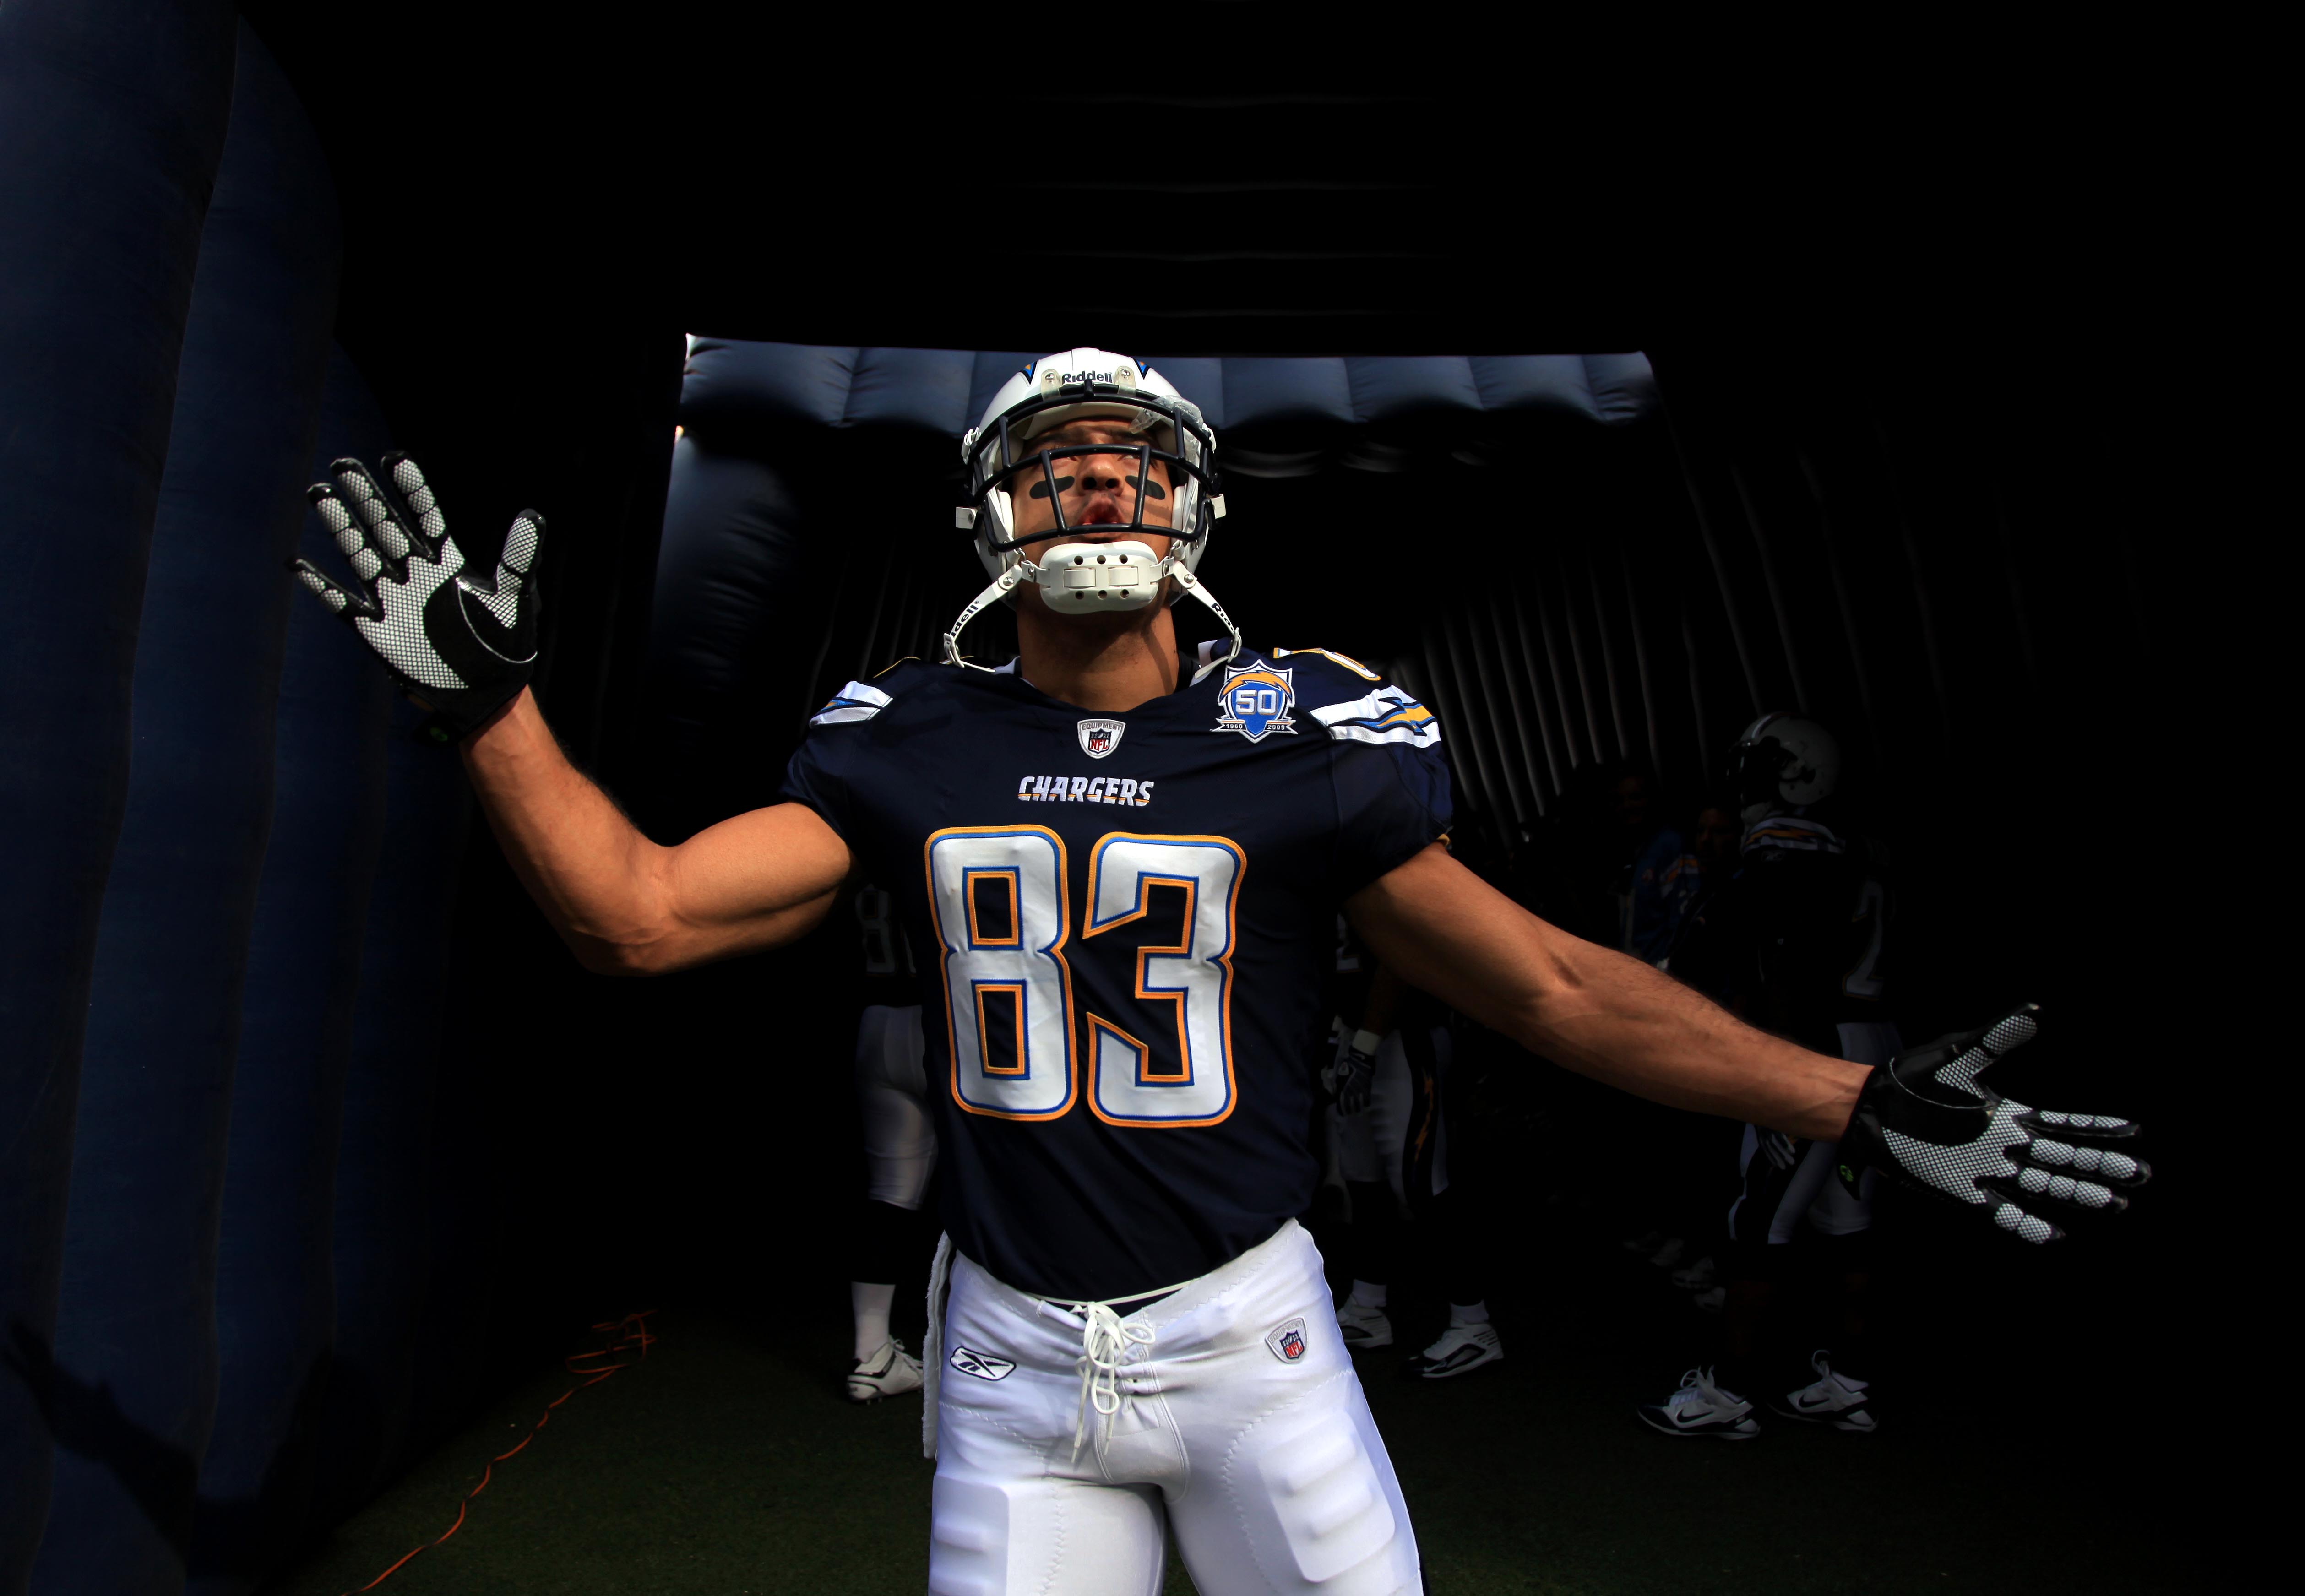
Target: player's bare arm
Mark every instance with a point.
(625, 905)
(462, 642)
(1594, 1010)
(1924, 1118)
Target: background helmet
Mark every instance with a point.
(1162, 424)
(1781, 762)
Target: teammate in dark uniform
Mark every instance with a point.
(1122, 865)
(900, 1146)
(1793, 942)
(1391, 1057)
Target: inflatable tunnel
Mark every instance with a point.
(314, 1137)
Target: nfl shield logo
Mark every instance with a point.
(1287, 1342)
(1257, 700)
(1099, 738)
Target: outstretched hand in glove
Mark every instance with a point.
(1926, 1119)
(460, 639)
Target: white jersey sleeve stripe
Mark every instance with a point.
(1388, 715)
(858, 700)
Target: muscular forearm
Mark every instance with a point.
(625, 905)
(597, 878)
(1591, 1010)
(1615, 1018)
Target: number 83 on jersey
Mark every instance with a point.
(1001, 897)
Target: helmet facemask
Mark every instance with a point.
(1168, 430)
(1120, 573)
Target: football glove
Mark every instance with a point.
(1354, 1076)
(459, 640)
(1926, 1119)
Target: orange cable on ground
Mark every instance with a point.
(630, 1331)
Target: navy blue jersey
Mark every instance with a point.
(1124, 924)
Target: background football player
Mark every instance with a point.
(899, 1148)
(1389, 1081)
(1796, 943)
(1126, 973)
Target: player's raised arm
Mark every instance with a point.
(465, 645)
(1924, 1118)
(626, 905)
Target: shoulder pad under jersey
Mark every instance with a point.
(862, 700)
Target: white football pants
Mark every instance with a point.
(1815, 1191)
(1229, 1408)
(900, 1148)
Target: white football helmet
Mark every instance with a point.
(1783, 763)
(1120, 574)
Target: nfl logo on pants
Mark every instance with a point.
(1287, 1342)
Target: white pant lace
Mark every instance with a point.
(1106, 1340)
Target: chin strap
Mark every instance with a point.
(1193, 584)
(999, 587)
(1025, 571)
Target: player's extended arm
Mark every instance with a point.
(1924, 1118)
(1600, 1012)
(462, 639)
(630, 906)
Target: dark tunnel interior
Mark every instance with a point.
(1893, 463)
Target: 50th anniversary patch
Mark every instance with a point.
(1256, 700)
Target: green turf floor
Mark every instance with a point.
(728, 1463)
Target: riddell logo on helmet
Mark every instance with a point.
(1117, 378)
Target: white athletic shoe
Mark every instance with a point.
(1462, 1349)
(1361, 1327)
(1648, 1241)
(1700, 1407)
(1694, 1277)
(1713, 1301)
(891, 1371)
(1835, 1399)
(1671, 1253)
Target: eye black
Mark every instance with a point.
(1150, 490)
(1041, 487)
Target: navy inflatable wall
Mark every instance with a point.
(231, 863)
(126, 104)
(275, 1303)
(137, 1319)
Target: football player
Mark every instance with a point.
(1122, 862)
(899, 1147)
(1795, 942)
(1385, 1121)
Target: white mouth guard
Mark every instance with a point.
(1083, 578)
(1080, 577)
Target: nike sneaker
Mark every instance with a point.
(1670, 1253)
(1712, 1301)
(1834, 1399)
(1361, 1327)
(1700, 1407)
(1462, 1349)
(891, 1371)
(1696, 1276)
